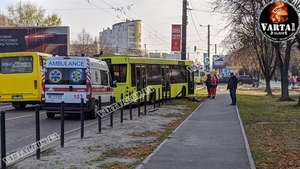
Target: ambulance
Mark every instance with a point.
(69, 78)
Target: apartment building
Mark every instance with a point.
(124, 37)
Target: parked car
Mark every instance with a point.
(223, 79)
(245, 79)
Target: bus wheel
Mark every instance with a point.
(93, 113)
(183, 92)
(50, 115)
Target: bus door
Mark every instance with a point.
(165, 74)
(140, 77)
(191, 85)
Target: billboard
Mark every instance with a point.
(37, 39)
(176, 38)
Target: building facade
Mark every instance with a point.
(124, 37)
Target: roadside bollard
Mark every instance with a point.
(99, 117)
(37, 130)
(3, 140)
(162, 96)
(158, 97)
(154, 95)
(139, 105)
(112, 113)
(166, 95)
(62, 126)
(130, 106)
(145, 104)
(170, 92)
(82, 117)
(121, 109)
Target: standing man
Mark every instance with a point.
(232, 86)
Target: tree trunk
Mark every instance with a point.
(268, 86)
(284, 85)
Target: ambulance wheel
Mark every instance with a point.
(50, 115)
(93, 113)
(183, 92)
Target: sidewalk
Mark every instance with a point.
(211, 138)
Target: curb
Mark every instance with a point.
(141, 165)
(252, 165)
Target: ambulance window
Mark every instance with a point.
(76, 76)
(104, 78)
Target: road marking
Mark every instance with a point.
(18, 117)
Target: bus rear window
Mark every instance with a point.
(10, 65)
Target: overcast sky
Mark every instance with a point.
(157, 17)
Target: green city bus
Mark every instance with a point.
(135, 73)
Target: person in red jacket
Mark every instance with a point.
(213, 86)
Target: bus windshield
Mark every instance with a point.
(118, 72)
(10, 65)
(75, 76)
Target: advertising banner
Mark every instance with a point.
(176, 38)
(37, 39)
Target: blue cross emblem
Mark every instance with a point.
(55, 76)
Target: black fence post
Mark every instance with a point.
(166, 95)
(130, 105)
(112, 113)
(154, 95)
(121, 108)
(82, 117)
(158, 97)
(3, 140)
(162, 96)
(145, 104)
(99, 117)
(139, 105)
(37, 130)
(170, 92)
(62, 126)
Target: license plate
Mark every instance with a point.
(17, 97)
(55, 96)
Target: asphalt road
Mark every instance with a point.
(21, 126)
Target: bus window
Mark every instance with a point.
(104, 78)
(178, 74)
(153, 74)
(16, 64)
(119, 72)
(133, 80)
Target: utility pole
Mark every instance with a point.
(215, 49)
(184, 23)
(145, 50)
(208, 47)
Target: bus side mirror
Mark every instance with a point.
(114, 83)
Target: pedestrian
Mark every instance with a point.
(213, 86)
(290, 80)
(293, 80)
(207, 83)
(275, 78)
(232, 86)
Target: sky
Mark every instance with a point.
(157, 17)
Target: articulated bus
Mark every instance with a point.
(135, 73)
(21, 78)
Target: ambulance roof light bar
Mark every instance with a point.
(53, 54)
(66, 57)
(82, 55)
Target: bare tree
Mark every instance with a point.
(3, 20)
(106, 47)
(29, 14)
(242, 18)
(85, 43)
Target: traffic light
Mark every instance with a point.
(195, 48)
